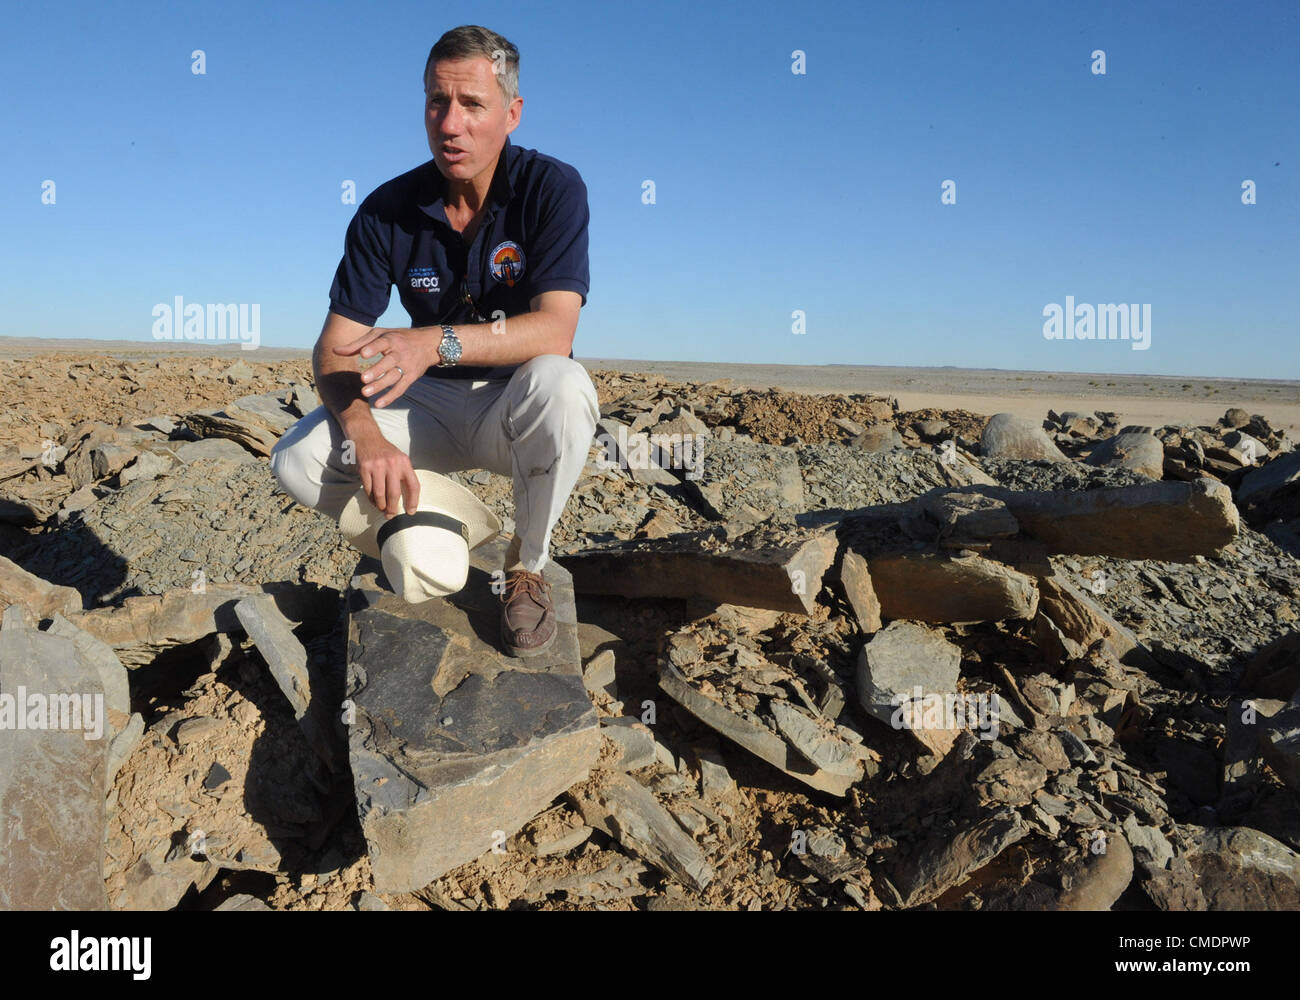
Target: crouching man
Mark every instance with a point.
(487, 244)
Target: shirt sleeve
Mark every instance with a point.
(363, 281)
(557, 259)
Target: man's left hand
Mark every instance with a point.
(404, 356)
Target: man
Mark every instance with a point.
(487, 243)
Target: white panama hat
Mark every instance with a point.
(425, 554)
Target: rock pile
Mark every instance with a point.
(814, 652)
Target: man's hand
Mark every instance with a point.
(411, 351)
(386, 474)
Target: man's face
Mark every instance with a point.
(465, 110)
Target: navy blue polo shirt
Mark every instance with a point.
(533, 239)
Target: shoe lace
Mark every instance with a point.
(526, 582)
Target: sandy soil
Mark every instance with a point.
(1138, 399)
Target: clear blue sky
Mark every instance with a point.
(776, 192)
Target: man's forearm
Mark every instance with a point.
(510, 341)
(338, 383)
(502, 342)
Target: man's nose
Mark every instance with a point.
(449, 126)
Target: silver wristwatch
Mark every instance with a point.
(448, 348)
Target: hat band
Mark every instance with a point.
(424, 519)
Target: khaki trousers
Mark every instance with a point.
(536, 427)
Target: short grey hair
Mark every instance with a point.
(472, 41)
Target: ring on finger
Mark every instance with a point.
(400, 373)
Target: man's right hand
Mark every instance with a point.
(386, 473)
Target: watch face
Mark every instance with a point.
(449, 349)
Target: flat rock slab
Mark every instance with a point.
(108, 668)
(937, 587)
(1281, 475)
(634, 452)
(820, 745)
(143, 626)
(273, 635)
(899, 659)
(271, 408)
(768, 567)
(454, 745)
(1169, 521)
(42, 598)
(840, 478)
(214, 449)
(239, 426)
(51, 779)
(855, 578)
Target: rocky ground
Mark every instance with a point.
(1140, 648)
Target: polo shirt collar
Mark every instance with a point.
(500, 192)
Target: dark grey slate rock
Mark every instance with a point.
(270, 408)
(1280, 738)
(820, 745)
(215, 449)
(280, 648)
(454, 746)
(217, 776)
(744, 481)
(1280, 475)
(761, 742)
(112, 675)
(899, 660)
(634, 452)
(632, 740)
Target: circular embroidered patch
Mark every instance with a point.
(508, 262)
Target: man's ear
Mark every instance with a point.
(514, 114)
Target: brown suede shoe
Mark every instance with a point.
(527, 614)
